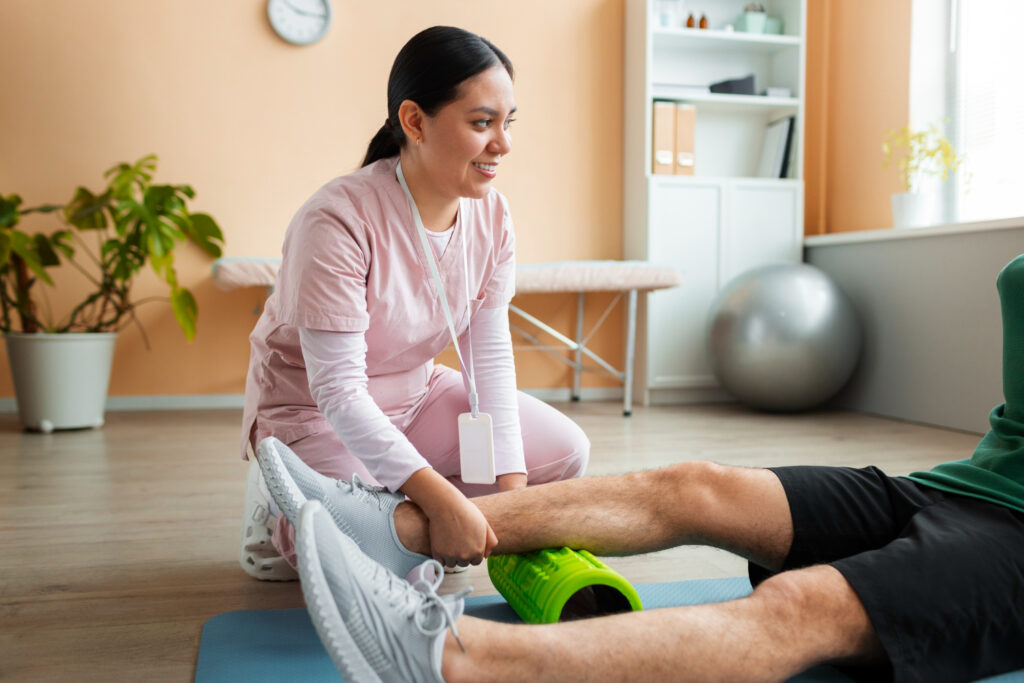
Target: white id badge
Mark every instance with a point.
(476, 448)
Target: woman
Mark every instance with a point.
(342, 358)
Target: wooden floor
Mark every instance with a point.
(116, 545)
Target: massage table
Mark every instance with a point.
(626, 279)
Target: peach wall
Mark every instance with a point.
(858, 77)
(256, 125)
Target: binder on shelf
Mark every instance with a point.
(686, 126)
(787, 150)
(663, 137)
(775, 151)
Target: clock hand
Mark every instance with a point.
(304, 12)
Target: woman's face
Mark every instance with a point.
(465, 141)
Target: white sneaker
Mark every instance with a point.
(257, 554)
(374, 625)
(366, 514)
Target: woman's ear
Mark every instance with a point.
(410, 116)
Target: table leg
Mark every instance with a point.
(627, 408)
(577, 369)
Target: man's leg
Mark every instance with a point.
(739, 509)
(791, 622)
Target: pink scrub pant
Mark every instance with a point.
(555, 447)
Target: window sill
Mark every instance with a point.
(884, 234)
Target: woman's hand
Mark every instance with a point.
(459, 533)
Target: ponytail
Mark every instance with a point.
(384, 144)
(428, 71)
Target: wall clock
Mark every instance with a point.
(300, 22)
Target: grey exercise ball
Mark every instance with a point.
(783, 337)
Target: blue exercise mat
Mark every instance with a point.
(259, 646)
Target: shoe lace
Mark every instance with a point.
(365, 492)
(418, 598)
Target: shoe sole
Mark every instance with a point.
(256, 553)
(321, 605)
(282, 487)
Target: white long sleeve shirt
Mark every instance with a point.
(336, 368)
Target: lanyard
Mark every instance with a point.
(432, 262)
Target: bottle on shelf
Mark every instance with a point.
(690, 21)
(703, 21)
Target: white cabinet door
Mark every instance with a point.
(684, 228)
(761, 225)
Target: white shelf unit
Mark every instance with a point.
(724, 219)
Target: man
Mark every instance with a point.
(913, 578)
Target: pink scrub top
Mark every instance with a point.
(353, 262)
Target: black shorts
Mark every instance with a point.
(940, 575)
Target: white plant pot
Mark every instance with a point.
(60, 380)
(914, 209)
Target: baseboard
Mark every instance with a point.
(586, 394)
(176, 402)
(683, 396)
(226, 401)
(171, 402)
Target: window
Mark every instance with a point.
(964, 71)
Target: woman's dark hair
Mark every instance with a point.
(428, 70)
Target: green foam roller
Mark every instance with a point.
(552, 585)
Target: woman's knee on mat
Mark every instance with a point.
(563, 455)
(571, 464)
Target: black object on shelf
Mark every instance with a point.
(788, 149)
(735, 86)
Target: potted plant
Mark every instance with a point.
(919, 156)
(108, 237)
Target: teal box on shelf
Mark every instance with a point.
(752, 22)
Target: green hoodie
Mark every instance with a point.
(995, 472)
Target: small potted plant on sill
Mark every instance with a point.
(919, 155)
(61, 366)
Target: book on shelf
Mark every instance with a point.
(673, 132)
(776, 148)
(684, 162)
(663, 137)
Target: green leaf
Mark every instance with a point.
(157, 197)
(85, 211)
(125, 176)
(5, 248)
(185, 311)
(47, 256)
(22, 245)
(206, 233)
(154, 244)
(9, 210)
(63, 242)
(162, 266)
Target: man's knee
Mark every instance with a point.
(702, 480)
(819, 604)
(788, 594)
